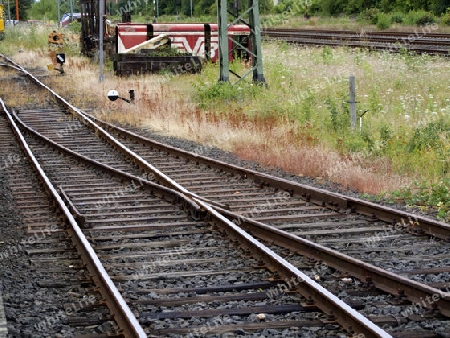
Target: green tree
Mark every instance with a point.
(24, 6)
(205, 7)
(354, 6)
(47, 9)
(43, 10)
(440, 6)
(336, 7)
(332, 7)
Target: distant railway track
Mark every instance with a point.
(421, 41)
(118, 199)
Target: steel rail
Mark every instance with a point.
(349, 318)
(422, 42)
(135, 158)
(117, 305)
(343, 200)
(316, 195)
(346, 316)
(362, 33)
(382, 279)
(319, 196)
(154, 187)
(327, 302)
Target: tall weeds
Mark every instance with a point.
(300, 122)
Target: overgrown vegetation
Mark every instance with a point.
(381, 14)
(300, 122)
(405, 131)
(32, 37)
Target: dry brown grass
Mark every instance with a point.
(165, 106)
(324, 164)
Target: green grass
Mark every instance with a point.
(406, 129)
(30, 37)
(35, 38)
(406, 98)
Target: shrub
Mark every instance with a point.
(425, 19)
(445, 18)
(219, 90)
(383, 21)
(75, 27)
(281, 7)
(397, 17)
(420, 18)
(436, 197)
(327, 54)
(430, 137)
(370, 15)
(339, 113)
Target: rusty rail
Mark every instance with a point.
(352, 320)
(117, 305)
(382, 279)
(319, 196)
(327, 302)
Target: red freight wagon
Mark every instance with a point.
(197, 39)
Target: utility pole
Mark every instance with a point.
(224, 72)
(100, 38)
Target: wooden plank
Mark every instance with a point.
(161, 244)
(219, 328)
(179, 274)
(210, 289)
(208, 313)
(137, 219)
(338, 231)
(255, 296)
(157, 226)
(163, 253)
(289, 218)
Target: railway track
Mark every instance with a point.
(421, 41)
(49, 291)
(251, 199)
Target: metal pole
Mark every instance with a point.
(352, 102)
(17, 10)
(57, 10)
(255, 26)
(154, 11)
(100, 47)
(191, 8)
(9, 12)
(224, 70)
(71, 9)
